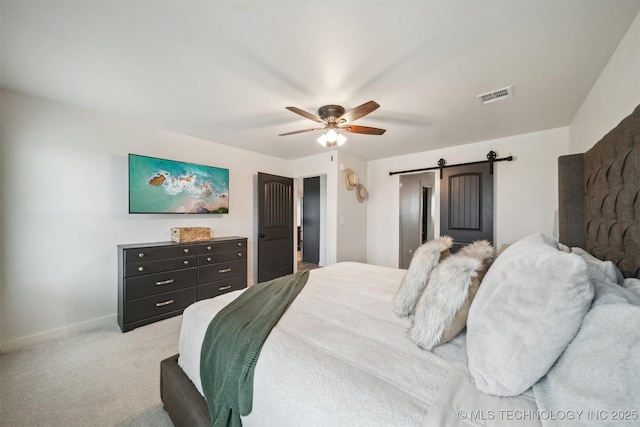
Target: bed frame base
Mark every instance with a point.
(182, 401)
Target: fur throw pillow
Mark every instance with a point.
(425, 258)
(441, 312)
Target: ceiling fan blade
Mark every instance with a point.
(359, 111)
(299, 131)
(364, 129)
(305, 114)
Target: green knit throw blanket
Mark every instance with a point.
(233, 342)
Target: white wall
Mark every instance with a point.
(351, 214)
(526, 196)
(65, 209)
(613, 97)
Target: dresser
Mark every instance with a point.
(159, 280)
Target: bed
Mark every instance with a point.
(341, 356)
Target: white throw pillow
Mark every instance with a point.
(425, 258)
(529, 307)
(441, 312)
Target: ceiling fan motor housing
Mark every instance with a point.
(330, 113)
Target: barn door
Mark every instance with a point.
(275, 226)
(466, 204)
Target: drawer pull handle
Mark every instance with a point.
(186, 250)
(161, 304)
(208, 248)
(165, 282)
(224, 270)
(208, 259)
(185, 262)
(140, 268)
(239, 244)
(224, 288)
(239, 253)
(141, 255)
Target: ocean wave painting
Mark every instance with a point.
(169, 186)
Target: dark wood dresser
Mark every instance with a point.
(159, 280)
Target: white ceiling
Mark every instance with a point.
(225, 70)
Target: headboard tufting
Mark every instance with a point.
(599, 206)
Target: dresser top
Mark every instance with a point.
(156, 244)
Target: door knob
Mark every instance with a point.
(261, 235)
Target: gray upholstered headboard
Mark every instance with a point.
(599, 197)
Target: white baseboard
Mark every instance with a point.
(55, 334)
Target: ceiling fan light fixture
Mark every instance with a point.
(322, 140)
(331, 138)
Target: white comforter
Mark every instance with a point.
(340, 356)
(596, 381)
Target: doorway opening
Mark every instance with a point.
(310, 222)
(426, 230)
(417, 212)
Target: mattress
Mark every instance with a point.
(340, 356)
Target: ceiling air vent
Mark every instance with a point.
(496, 95)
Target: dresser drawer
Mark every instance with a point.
(226, 246)
(220, 287)
(155, 305)
(223, 270)
(148, 267)
(151, 284)
(222, 256)
(137, 255)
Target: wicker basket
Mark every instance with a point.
(190, 234)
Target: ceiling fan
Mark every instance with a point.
(335, 119)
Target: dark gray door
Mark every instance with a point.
(311, 221)
(466, 204)
(275, 226)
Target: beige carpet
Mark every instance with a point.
(97, 378)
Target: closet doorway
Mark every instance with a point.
(417, 210)
(311, 222)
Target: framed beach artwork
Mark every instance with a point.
(174, 187)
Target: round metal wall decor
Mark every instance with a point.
(361, 193)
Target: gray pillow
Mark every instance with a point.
(632, 284)
(610, 270)
(425, 258)
(529, 307)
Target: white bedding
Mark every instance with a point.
(340, 356)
